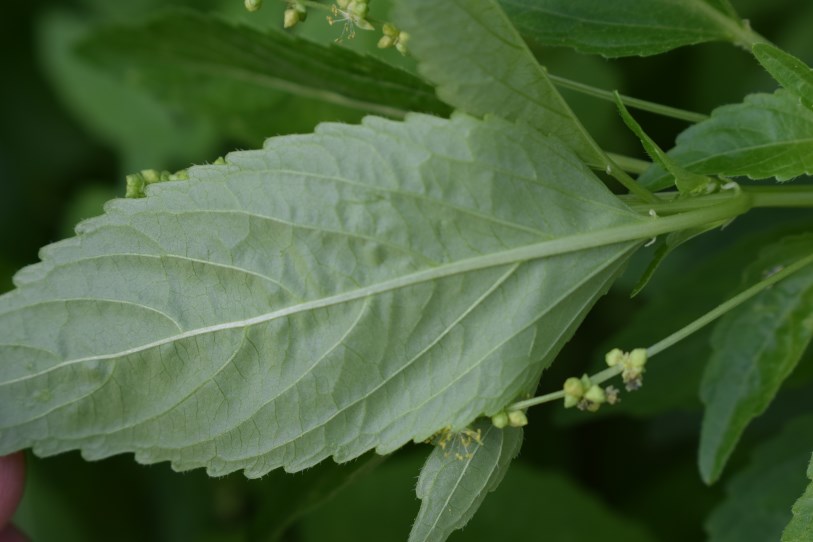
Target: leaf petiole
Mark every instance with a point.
(643, 105)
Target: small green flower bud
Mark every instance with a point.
(638, 357)
(390, 30)
(500, 420)
(291, 18)
(517, 418)
(401, 44)
(253, 5)
(614, 357)
(359, 8)
(135, 186)
(585, 380)
(151, 176)
(386, 42)
(574, 387)
(571, 401)
(595, 394)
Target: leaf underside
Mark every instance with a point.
(333, 293)
(458, 476)
(621, 27)
(755, 347)
(767, 135)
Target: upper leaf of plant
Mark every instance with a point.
(755, 347)
(800, 528)
(332, 293)
(481, 66)
(204, 62)
(624, 27)
(458, 475)
(767, 135)
(789, 71)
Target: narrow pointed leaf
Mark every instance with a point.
(481, 66)
(201, 61)
(758, 500)
(624, 27)
(755, 347)
(800, 528)
(458, 476)
(789, 71)
(687, 183)
(332, 293)
(768, 135)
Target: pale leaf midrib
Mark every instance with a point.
(562, 245)
(563, 295)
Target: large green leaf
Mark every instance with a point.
(624, 27)
(204, 62)
(755, 347)
(758, 499)
(768, 135)
(481, 65)
(800, 528)
(332, 293)
(457, 477)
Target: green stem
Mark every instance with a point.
(629, 164)
(740, 32)
(629, 101)
(618, 173)
(780, 196)
(725, 307)
(761, 196)
(682, 333)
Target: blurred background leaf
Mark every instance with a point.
(759, 498)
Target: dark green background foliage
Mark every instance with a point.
(72, 129)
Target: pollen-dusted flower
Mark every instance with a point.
(351, 13)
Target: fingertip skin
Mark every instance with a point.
(11, 534)
(12, 481)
